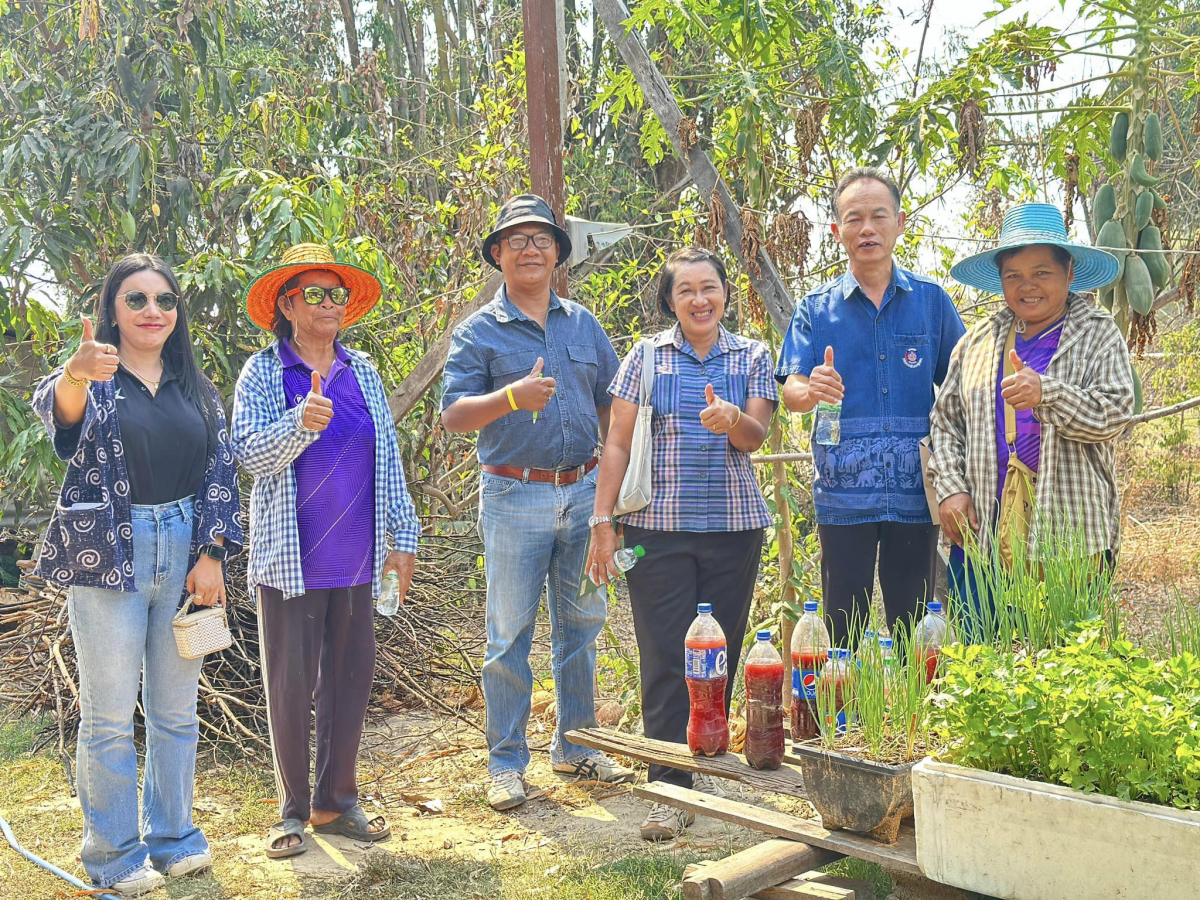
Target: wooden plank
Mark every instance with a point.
(770, 286)
(763, 865)
(784, 780)
(898, 857)
(817, 886)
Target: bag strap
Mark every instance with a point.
(647, 370)
(185, 609)
(1010, 413)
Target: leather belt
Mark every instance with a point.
(551, 476)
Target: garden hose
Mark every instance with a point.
(37, 860)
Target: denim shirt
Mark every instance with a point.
(89, 541)
(889, 358)
(500, 345)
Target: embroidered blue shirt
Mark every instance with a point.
(89, 541)
(500, 345)
(889, 358)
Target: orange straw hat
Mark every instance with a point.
(365, 288)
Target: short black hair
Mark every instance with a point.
(679, 259)
(864, 173)
(1061, 255)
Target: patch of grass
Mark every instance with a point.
(860, 869)
(18, 735)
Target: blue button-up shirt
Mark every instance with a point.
(500, 345)
(889, 358)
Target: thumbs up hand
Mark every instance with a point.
(318, 409)
(824, 382)
(534, 390)
(93, 361)
(1023, 388)
(719, 416)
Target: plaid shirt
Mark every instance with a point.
(267, 437)
(700, 481)
(1087, 401)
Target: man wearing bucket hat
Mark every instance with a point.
(330, 516)
(876, 341)
(1033, 402)
(530, 373)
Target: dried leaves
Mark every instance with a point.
(1071, 188)
(808, 132)
(972, 136)
(788, 240)
(687, 135)
(89, 20)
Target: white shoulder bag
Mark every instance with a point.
(636, 487)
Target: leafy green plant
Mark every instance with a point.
(1094, 715)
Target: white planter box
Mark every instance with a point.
(1023, 840)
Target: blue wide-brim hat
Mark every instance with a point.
(1037, 223)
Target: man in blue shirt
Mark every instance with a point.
(876, 341)
(530, 372)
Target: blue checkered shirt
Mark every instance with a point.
(267, 437)
(700, 481)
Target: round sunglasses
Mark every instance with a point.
(137, 300)
(314, 295)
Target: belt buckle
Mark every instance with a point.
(557, 476)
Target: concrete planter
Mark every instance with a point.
(1023, 840)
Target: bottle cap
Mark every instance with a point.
(842, 653)
(886, 643)
(704, 609)
(935, 606)
(639, 551)
(764, 635)
(833, 652)
(810, 605)
(868, 634)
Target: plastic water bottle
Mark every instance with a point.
(835, 685)
(810, 646)
(933, 633)
(867, 647)
(829, 424)
(764, 704)
(706, 669)
(389, 600)
(624, 559)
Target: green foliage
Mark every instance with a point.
(1096, 716)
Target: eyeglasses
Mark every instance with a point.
(315, 296)
(137, 300)
(543, 240)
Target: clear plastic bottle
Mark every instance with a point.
(933, 633)
(829, 424)
(389, 599)
(764, 704)
(891, 665)
(706, 669)
(867, 646)
(810, 647)
(624, 559)
(835, 685)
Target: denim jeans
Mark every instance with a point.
(534, 535)
(123, 639)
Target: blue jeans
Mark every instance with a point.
(534, 535)
(123, 639)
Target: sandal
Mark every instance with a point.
(281, 830)
(353, 824)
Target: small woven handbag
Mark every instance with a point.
(201, 632)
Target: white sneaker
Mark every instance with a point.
(507, 790)
(596, 768)
(141, 881)
(189, 865)
(665, 822)
(708, 784)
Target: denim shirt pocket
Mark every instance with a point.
(585, 372)
(507, 369)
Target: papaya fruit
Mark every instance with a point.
(1106, 298)
(1137, 171)
(1138, 397)
(1153, 137)
(1160, 270)
(1138, 286)
(1105, 206)
(1159, 202)
(1143, 208)
(1112, 238)
(1119, 136)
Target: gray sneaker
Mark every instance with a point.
(665, 822)
(708, 784)
(595, 768)
(507, 790)
(140, 881)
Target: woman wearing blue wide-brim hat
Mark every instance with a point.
(1033, 402)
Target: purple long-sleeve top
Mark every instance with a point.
(1036, 353)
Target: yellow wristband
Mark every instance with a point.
(512, 401)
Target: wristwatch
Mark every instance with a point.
(598, 520)
(214, 551)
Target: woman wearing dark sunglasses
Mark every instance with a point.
(331, 518)
(147, 513)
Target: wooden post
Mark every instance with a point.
(544, 61)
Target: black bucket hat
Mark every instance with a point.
(517, 211)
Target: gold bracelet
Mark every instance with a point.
(72, 380)
(512, 401)
(738, 419)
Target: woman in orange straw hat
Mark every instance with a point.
(333, 527)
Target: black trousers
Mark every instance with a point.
(320, 644)
(907, 570)
(680, 570)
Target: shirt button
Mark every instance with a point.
(704, 475)
(883, 356)
(887, 427)
(704, 447)
(885, 390)
(889, 463)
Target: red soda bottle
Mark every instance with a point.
(933, 633)
(706, 668)
(764, 704)
(835, 685)
(810, 645)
